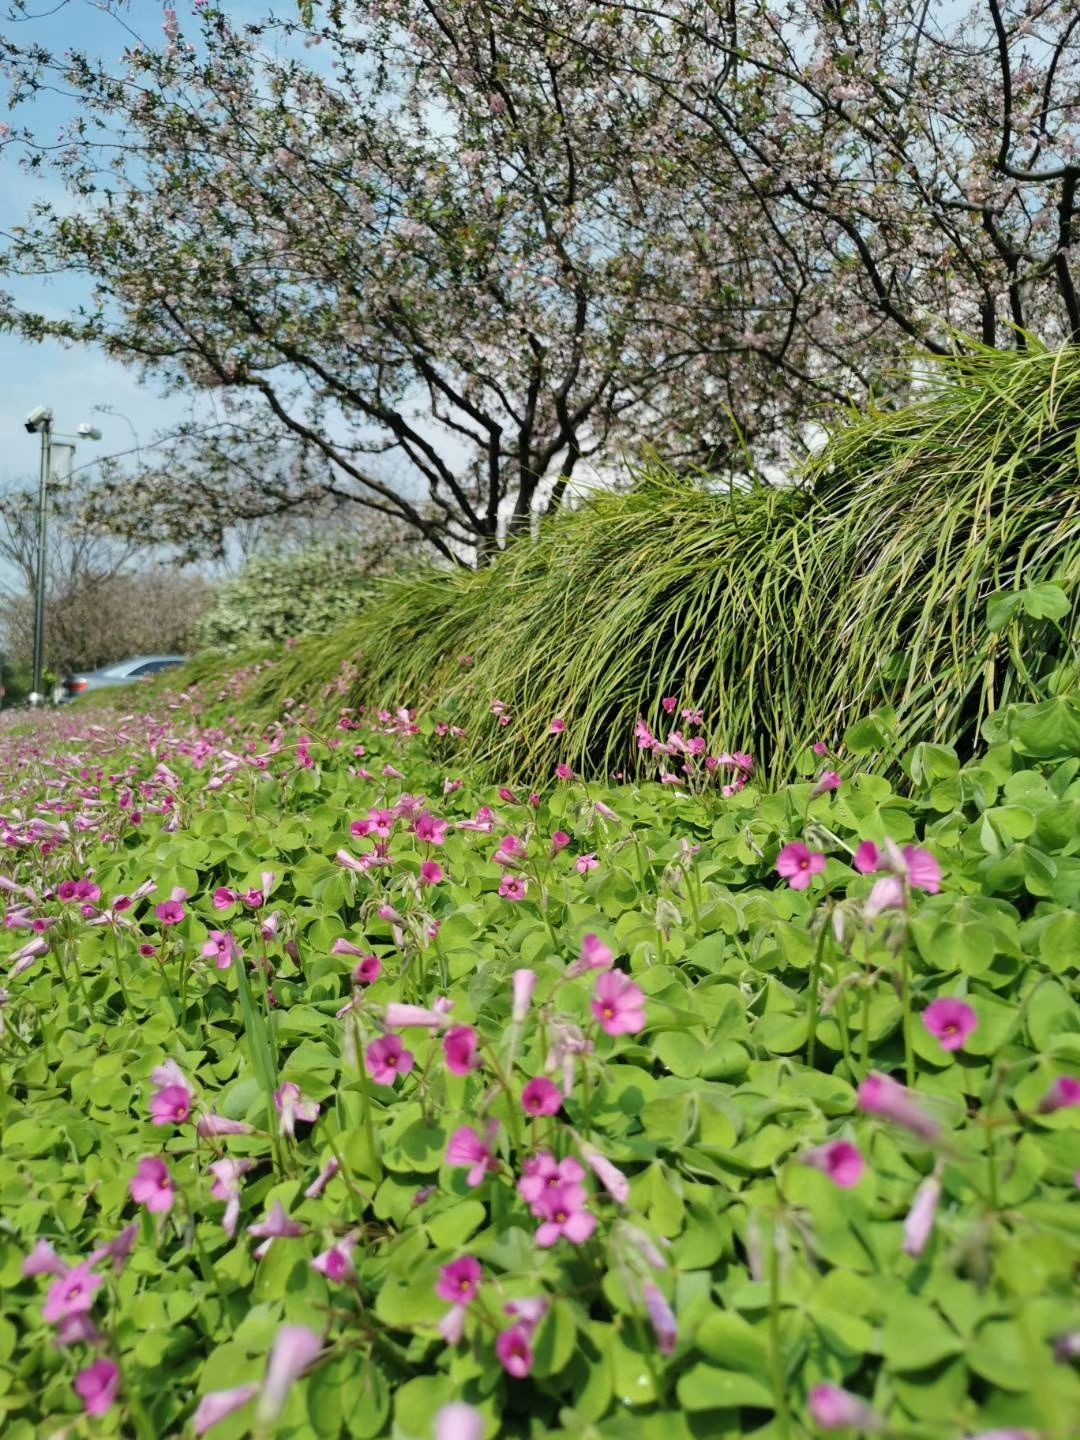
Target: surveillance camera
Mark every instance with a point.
(39, 416)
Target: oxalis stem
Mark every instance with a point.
(815, 992)
(776, 1355)
(365, 1103)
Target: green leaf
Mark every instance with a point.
(915, 1336)
(706, 1387)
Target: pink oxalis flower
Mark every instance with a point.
(97, 1386)
(514, 1351)
(798, 864)
(459, 1281)
(880, 1095)
(618, 1004)
(839, 1160)
(950, 1022)
(833, 1408)
(152, 1186)
(467, 1149)
(460, 1049)
(541, 1097)
(387, 1058)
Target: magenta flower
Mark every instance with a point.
(117, 1249)
(97, 1386)
(515, 1352)
(459, 1048)
(430, 830)
(559, 841)
(1062, 1095)
(404, 1017)
(839, 1160)
(222, 948)
(867, 858)
(431, 873)
(211, 1125)
(171, 1105)
(950, 1022)
(459, 1281)
(798, 864)
(564, 1216)
(923, 871)
(336, 1263)
(880, 1095)
(387, 1058)
(367, 970)
(170, 912)
(524, 983)
(325, 1175)
(618, 1004)
(226, 1186)
(918, 867)
(219, 1404)
(670, 704)
(72, 1294)
(595, 955)
(541, 1172)
(513, 887)
(276, 1226)
(152, 1186)
(584, 863)
(510, 851)
(820, 748)
(827, 781)
(224, 899)
(563, 772)
(557, 726)
(43, 1260)
(662, 1319)
(832, 1408)
(920, 1218)
(467, 1149)
(458, 1421)
(541, 1097)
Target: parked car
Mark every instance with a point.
(125, 672)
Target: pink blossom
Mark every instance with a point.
(524, 984)
(662, 1319)
(431, 873)
(211, 1125)
(1062, 1095)
(276, 1226)
(295, 1348)
(595, 955)
(71, 1294)
(515, 1352)
(28, 954)
(226, 1186)
(618, 1004)
(459, 1281)
(867, 858)
(609, 1175)
(345, 947)
(513, 887)
(336, 1263)
(880, 1095)
(117, 1249)
(152, 1186)
(367, 971)
(404, 1017)
(950, 1021)
(563, 1212)
(170, 912)
(325, 1175)
(557, 726)
(219, 1404)
(467, 1149)
(430, 830)
(888, 894)
(541, 1097)
(839, 1160)
(670, 704)
(828, 780)
(224, 898)
(832, 1408)
(563, 772)
(77, 1330)
(292, 1106)
(820, 748)
(43, 1260)
(920, 1218)
(923, 870)
(452, 1324)
(458, 1421)
(584, 863)
(171, 1105)
(97, 1386)
(559, 841)
(459, 1047)
(222, 948)
(510, 850)
(798, 864)
(541, 1172)
(387, 1058)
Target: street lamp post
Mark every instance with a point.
(40, 421)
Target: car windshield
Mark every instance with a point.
(113, 670)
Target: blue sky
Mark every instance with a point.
(72, 381)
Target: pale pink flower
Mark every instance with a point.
(584, 863)
(595, 955)
(458, 1421)
(221, 948)
(524, 984)
(467, 1149)
(387, 1058)
(510, 851)
(513, 887)
(345, 947)
(211, 1125)
(219, 1404)
(276, 1226)
(325, 1175)
(839, 1160)
(828, 780)
(920, 1218)
(618, 1004)
(452, 1324)
(880, 1095)
(226, 1186)
(662, 1318)
(292, 1106)
(43, 1260)
(460, 1049)
(71, 1294)
(403, 1017)
(152, 1186)
(832, 1408)
(923, 870)
(295, 1348)
(950, 1022)
(170, 912)
(542, 1172)
(97, 1386)
(170, 1105)
(888, 893)
(564, 1216)
(609, 1175)
(798, 864)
